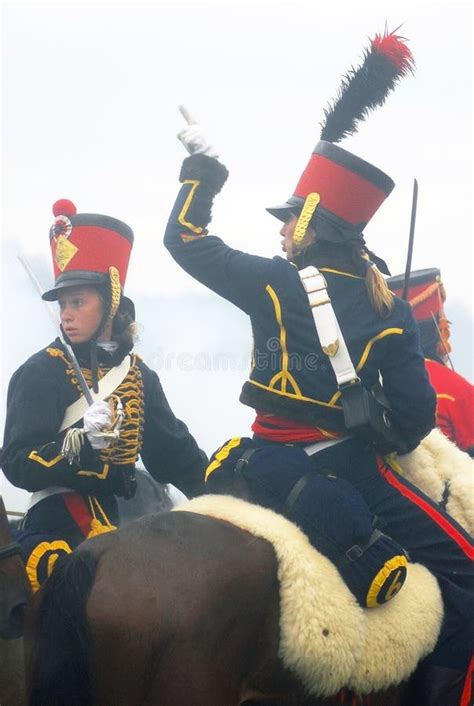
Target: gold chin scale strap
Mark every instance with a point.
(311, 202)
(115, 293)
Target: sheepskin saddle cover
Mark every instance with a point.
(326, 639)
(443, 472)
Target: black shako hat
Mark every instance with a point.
(338, 192)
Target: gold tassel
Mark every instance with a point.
(98, 528)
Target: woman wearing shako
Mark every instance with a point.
(74, 458)
(322, 416)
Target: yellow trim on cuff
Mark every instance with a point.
(34, 456)
(186, 238)
(101, 475)
(182, 216)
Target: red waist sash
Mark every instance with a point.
(279, 429)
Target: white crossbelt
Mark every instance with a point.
(327, 327)
(107, 385)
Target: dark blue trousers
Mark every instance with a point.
(429, 534)
(48, 532)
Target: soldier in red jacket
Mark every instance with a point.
(454, 394)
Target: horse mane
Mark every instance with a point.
(60, 608)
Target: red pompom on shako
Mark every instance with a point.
(86, 247)
(345, 191)
(64, 207)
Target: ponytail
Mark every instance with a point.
(354, 256)
(380, 295)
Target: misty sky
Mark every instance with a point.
(89, 108)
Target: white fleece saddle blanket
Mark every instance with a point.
(326, 639)
(443, 472)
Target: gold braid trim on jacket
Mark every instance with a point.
(127, 448)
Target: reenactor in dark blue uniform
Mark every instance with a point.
(74, 491)
(303, 459)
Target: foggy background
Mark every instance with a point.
(89, 113)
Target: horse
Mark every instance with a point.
(182, 607)
(14, 586)
(15, 592)
(150, 497)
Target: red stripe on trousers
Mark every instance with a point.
(435, 515)
(467, 691)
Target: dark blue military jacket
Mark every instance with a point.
(39, 393)
(291, 376)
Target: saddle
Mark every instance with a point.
(326, 639)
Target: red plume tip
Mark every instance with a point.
(64, 207)
(395, 50)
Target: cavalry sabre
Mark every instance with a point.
(411, 240)
(72, 357)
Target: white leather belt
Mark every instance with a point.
(312, 449)
(39, 495)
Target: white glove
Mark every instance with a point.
(193, 137)
(98, 418)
